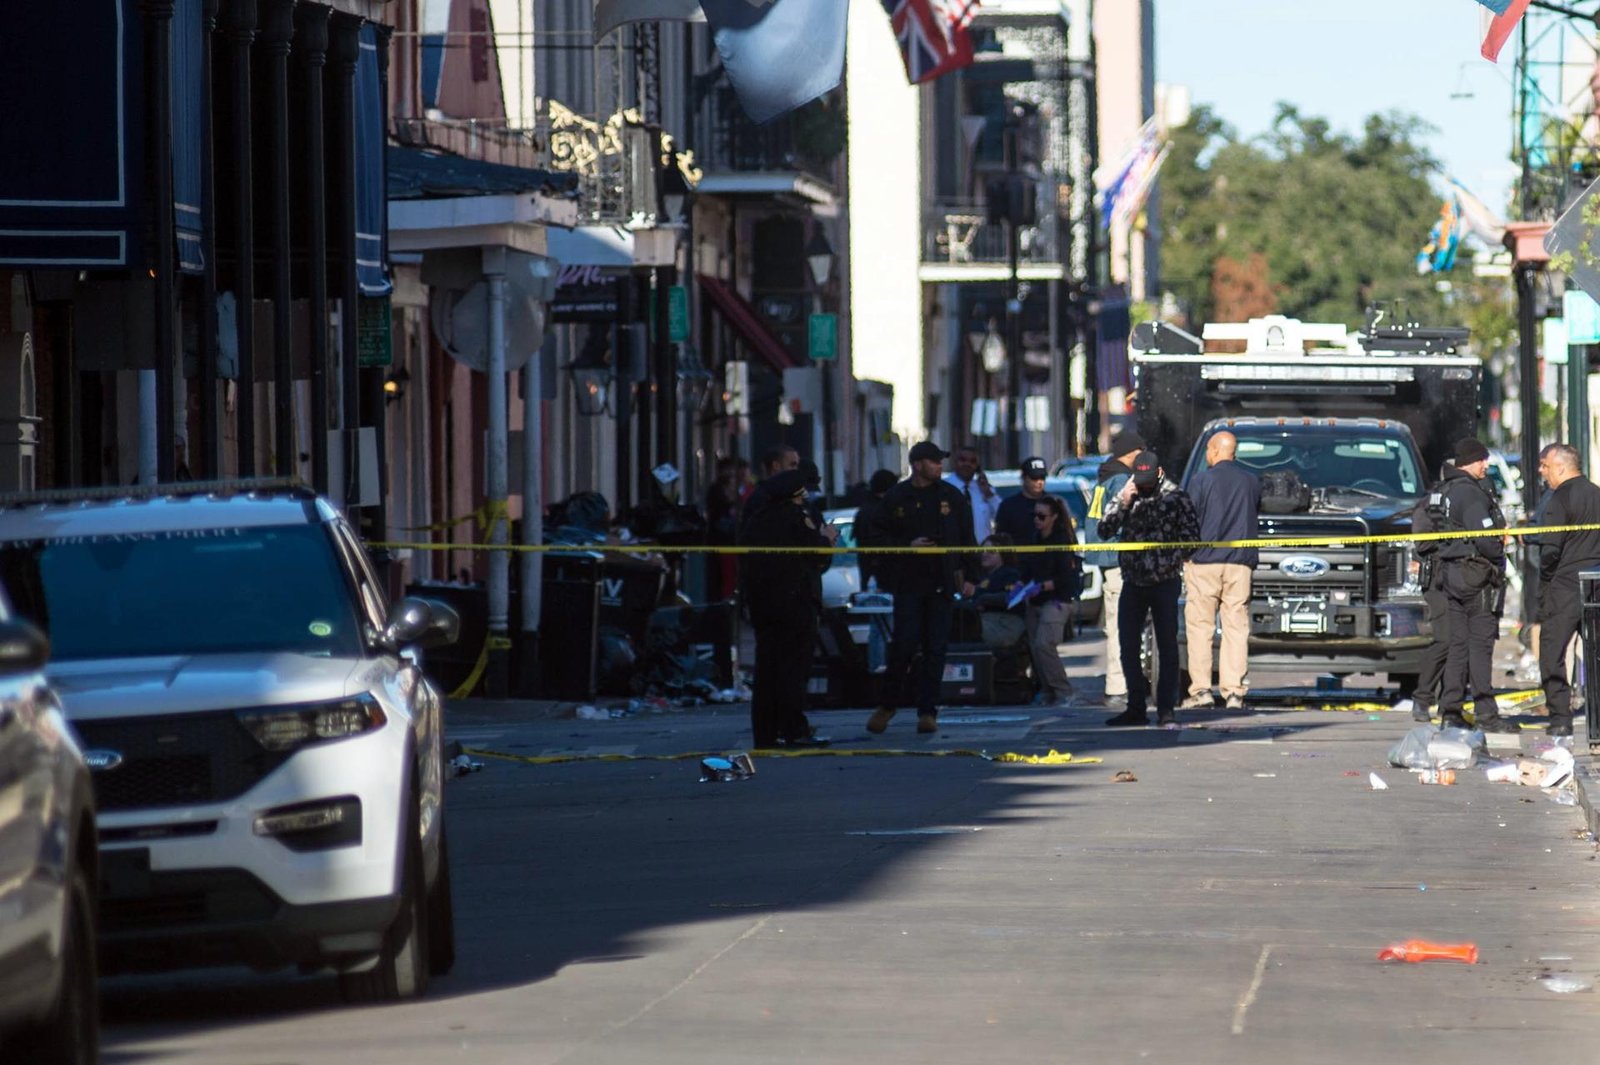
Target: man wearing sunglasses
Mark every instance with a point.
(1015, 516)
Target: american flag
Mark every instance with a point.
(933, 35)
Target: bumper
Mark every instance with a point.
(1392, 637)
(208, 917)
(203, 877)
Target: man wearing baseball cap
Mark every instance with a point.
(1474, 578)
(921, 511)
(1015, 516)
(1113, 474)
(1150, 510)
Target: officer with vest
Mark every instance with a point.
(1473, 576)
(1430, 678)
(1574, 500)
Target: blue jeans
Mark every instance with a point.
(921, 624)
(1160, 603)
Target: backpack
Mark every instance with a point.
(1283, 492)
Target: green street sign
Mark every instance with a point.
(822, 332)
(373, 343)
(677, 314)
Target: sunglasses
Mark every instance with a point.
(1042, 515)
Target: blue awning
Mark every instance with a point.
(432, 67)
(371, 202)
(418, 174)
(74, 131)
(188, 106)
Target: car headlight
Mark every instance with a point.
(291, 727)
(1404, 575)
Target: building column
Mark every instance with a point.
(277, 35)
(497, 675)
(158, 54)
(242, 33)
(311, 49)
(206, 461)
(344, 51)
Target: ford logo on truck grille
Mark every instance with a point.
(102, 761)
(1304, 567)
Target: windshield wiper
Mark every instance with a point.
(1330, 489)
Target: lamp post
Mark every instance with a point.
(676, 197)
(820, 258)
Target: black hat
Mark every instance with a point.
(1034, 469)
(1469, 450)
(1146, 469)
(928, 450)
(786, 484)
(1125, 442)
(882, 481)
(812, 474)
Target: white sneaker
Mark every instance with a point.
(1197, 702)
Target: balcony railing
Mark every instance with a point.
(807, 140)
(956, 232)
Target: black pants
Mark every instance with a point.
(1431, 679)
(921, 624)
(784, 648)
(1160, 603)
(1559, 612)
(1473, 628)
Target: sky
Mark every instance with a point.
(1344, 61)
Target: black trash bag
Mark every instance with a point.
(587, 511)
(616, 660)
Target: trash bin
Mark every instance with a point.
(451, 666)
(1589, 629)
(569, 625)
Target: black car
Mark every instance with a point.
(49, 1005)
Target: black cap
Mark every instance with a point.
(1034, 468)
(882, 481)
(1146, 469)
(1125, 442)
(928, 450)
(787, 484)
(1469, 450)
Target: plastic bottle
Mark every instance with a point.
(1436, 776)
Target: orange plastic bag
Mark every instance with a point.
(1422, 950)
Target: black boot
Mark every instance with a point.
(1129, 718)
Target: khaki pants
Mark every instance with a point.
(1111, 594)
(1047, 625)
(1213, 587)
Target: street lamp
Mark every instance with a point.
(592, 375)
(675, 192)
(819, 256)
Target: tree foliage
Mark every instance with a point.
(1322, 222)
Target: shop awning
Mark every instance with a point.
(753, 332)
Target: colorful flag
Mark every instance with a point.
(933, 35)
(1477, 218)
(1439, 254)
(1124, 179)
(1507, 15)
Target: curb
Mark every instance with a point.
(1586, 771)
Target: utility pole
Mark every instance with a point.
(1013, 211)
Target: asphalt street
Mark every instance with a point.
(1227, 905)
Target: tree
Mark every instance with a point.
(1324, 222)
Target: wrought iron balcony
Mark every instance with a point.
(808, 140)
(957, 232)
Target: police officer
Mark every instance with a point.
(1431, 676)
(921, 511)
(1473, 578)
(1574, 500)
(784, 593)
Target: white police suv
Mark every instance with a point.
(266, 752)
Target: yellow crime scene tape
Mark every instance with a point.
(1520, 531)
(1054, 758)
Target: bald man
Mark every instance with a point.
(1217, 579)
(1574, 500)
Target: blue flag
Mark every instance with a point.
(1497, 6)
(780, 55)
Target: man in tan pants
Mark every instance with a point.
(1114, 474)
(1217, 579)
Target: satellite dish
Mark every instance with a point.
(460, 318)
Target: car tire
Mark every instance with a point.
(442, 914)
(402, 969)
(71, 1034)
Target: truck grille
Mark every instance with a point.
(1347, 566)
(176, 760)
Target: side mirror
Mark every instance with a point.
(417, 622)
(23, 648)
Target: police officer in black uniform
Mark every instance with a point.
(921, 511)
(1473, 577)
(1574, 500)
(784, 593)
(1431, 677)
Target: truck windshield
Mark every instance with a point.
(1334, 457)
(189, 592)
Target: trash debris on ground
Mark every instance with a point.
(1503, 773)
(1125, 776)
(1430, 747)
(1265, 776)
(1436, 776)
(595, 713)
(461, 765)
(1566, 983)
(1377, 782)
(1055, 757)
(1564, 797)
(740, 694)
(717, 770)
(1424, 950)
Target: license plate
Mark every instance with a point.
(959, 672)
(125, 873)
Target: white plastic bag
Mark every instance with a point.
(1428, 747)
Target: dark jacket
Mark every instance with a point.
(1015, 518)
(939, 512)
(1470, 505)
(1563, 555)
(1227, 499)
(1427, 551)
(1061, 568)
(1112, 476)
(778, 587)
(1164, 517)
(869, 514)
(994, 589)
